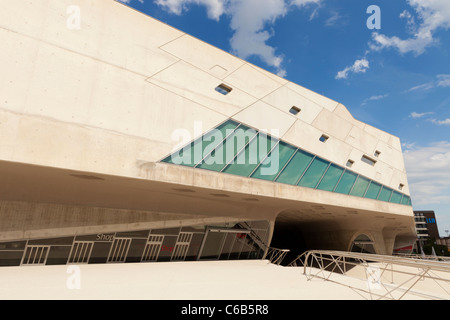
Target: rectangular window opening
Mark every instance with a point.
(377, 153)
(368, 160)
(324, 138)
(224, 89)
(350, 163)
(401, 186)
(295, 110)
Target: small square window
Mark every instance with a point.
(368, 160)
(224, 89)
(377, 153)
(401, 186)
(324, 138)
(295, 110)
(350, 163)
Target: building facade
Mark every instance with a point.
(421, 226)
(428, 224)
(126, 140)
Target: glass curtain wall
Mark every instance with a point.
(236, 149)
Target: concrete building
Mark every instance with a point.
(427, 228)
(421, 226)
(426, 224)
(126, 140)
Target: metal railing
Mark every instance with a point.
(276, 256)
(299, 261)
(424, 257)
(383, 277)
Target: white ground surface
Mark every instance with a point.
(221, 280)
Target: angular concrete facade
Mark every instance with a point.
(92, 96)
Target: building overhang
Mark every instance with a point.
(176, 189)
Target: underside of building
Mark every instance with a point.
(126, 140)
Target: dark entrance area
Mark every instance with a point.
(226, 241)
(289, 236)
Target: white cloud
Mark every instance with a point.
(416, 45)
(360, 66)
(416, 115)
(215, 8)
(433, 14)
(428, 173)
(250, 21)
(410, 21)
(333, 20)
(128, 1)
(374, 98)
(422, 87)
(429, 17)
(441, 122)
(444, 80)
(301, 3)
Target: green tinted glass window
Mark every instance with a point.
(396, 197)
(295, 168)
(213, 138)
(331, 178)
(385, 194)
(243, 150)
(275, 162)
(314, 173)
(225, 152)
(373, 191)
(249, 158)
(346, 183)
(405, 200)
(182, 157)
(360, 187)
(193, 153)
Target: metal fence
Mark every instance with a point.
(380, 276)
(276, 256)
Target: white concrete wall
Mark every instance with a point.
(109, 95)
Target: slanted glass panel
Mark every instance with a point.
(405, 199)
(360, 187)
(249, 158)
(275, 162)
(409, 201)
(225, 152)
(385, 194)
(182, 156)
(373, 191)
(396, 197)
(213, 138)
(314, 173)
(295, 168)
(193, 153)
(331, 178)
(346, 183)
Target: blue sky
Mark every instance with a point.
(396, 78)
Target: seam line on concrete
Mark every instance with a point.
(75, 52)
